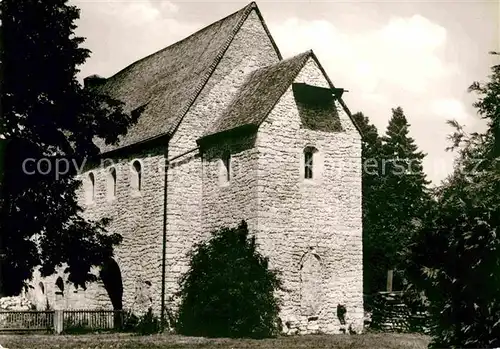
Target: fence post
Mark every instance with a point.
(58, 321)
(389, 280)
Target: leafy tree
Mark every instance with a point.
(229, 290)
(47, 114)
(455, 258)
(373, 255)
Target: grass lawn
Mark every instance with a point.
(125, 341)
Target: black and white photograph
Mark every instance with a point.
(233, 174)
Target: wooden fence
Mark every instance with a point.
(60, 321)
(91, 319)
(26, 320)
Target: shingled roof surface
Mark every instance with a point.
(167, 82)
(259, 93)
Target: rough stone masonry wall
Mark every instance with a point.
(138, 217)
(249, 50)
(15, 303)
(312, 229)
(44, 293)
(226, 203)
(391, 312)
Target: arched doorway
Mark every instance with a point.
(112, 279)
(311, 281)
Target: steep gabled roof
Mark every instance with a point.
(166, 83)
(261, 91)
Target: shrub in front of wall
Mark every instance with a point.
(229, 290)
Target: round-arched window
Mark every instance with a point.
(42, 287)
(226, 161)
(136, 175)
(91, 188)
(111, 183)
(60, 284)
(309, 162)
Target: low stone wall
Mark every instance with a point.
(15, 303)
(390, 313)
(8, 308)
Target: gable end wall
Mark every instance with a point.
(316, 222)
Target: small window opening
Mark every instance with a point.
(308, 164)
(341, 311)
(91, 193)
(60, 285)
(226, 160)
(137, 175)
(111, 183)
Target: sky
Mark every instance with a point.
(419, 55)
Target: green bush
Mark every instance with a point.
(130, 322)
(142, 325)
(454, 259)
(228, 290)
(148, 324)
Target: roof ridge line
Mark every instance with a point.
(180, 41)
(341, 101)
(266, 29)
(246, 12)
(237, 19)
(306, 55)
(300, 58)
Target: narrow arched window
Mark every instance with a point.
(136, 175)
(226, 161)
(60, 285)
(308, 163)
(91, 188)
(111, 183)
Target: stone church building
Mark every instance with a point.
(228, 131)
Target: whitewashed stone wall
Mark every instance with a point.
(44, 294)
(312, 229)
(249, 50)
(138, 217)
(15, 303)
(228, 203)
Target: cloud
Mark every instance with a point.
(402, 53)
(130, 14)
(128, 31)
(449, 108)
(140, 12)
(413, 34)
